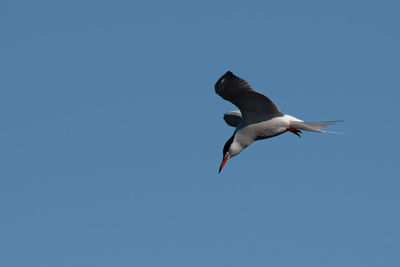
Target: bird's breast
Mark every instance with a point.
(264, 129)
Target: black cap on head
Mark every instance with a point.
(227, 145)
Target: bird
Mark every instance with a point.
(258, 117)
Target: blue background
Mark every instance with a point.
(111, 134)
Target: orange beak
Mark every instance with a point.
(223, 162)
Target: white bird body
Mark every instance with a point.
(247, 134)
(257, 118)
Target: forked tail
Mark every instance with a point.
(312, 126)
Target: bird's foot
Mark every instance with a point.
(295, 131)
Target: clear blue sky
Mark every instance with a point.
(111, 134)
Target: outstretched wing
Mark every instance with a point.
(254, 106)
(233, 118)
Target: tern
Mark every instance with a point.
(257, 118)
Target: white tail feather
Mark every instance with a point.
(313, 126)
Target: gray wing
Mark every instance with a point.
(233, 118)
(254, 106)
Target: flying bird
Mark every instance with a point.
(257, 118)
